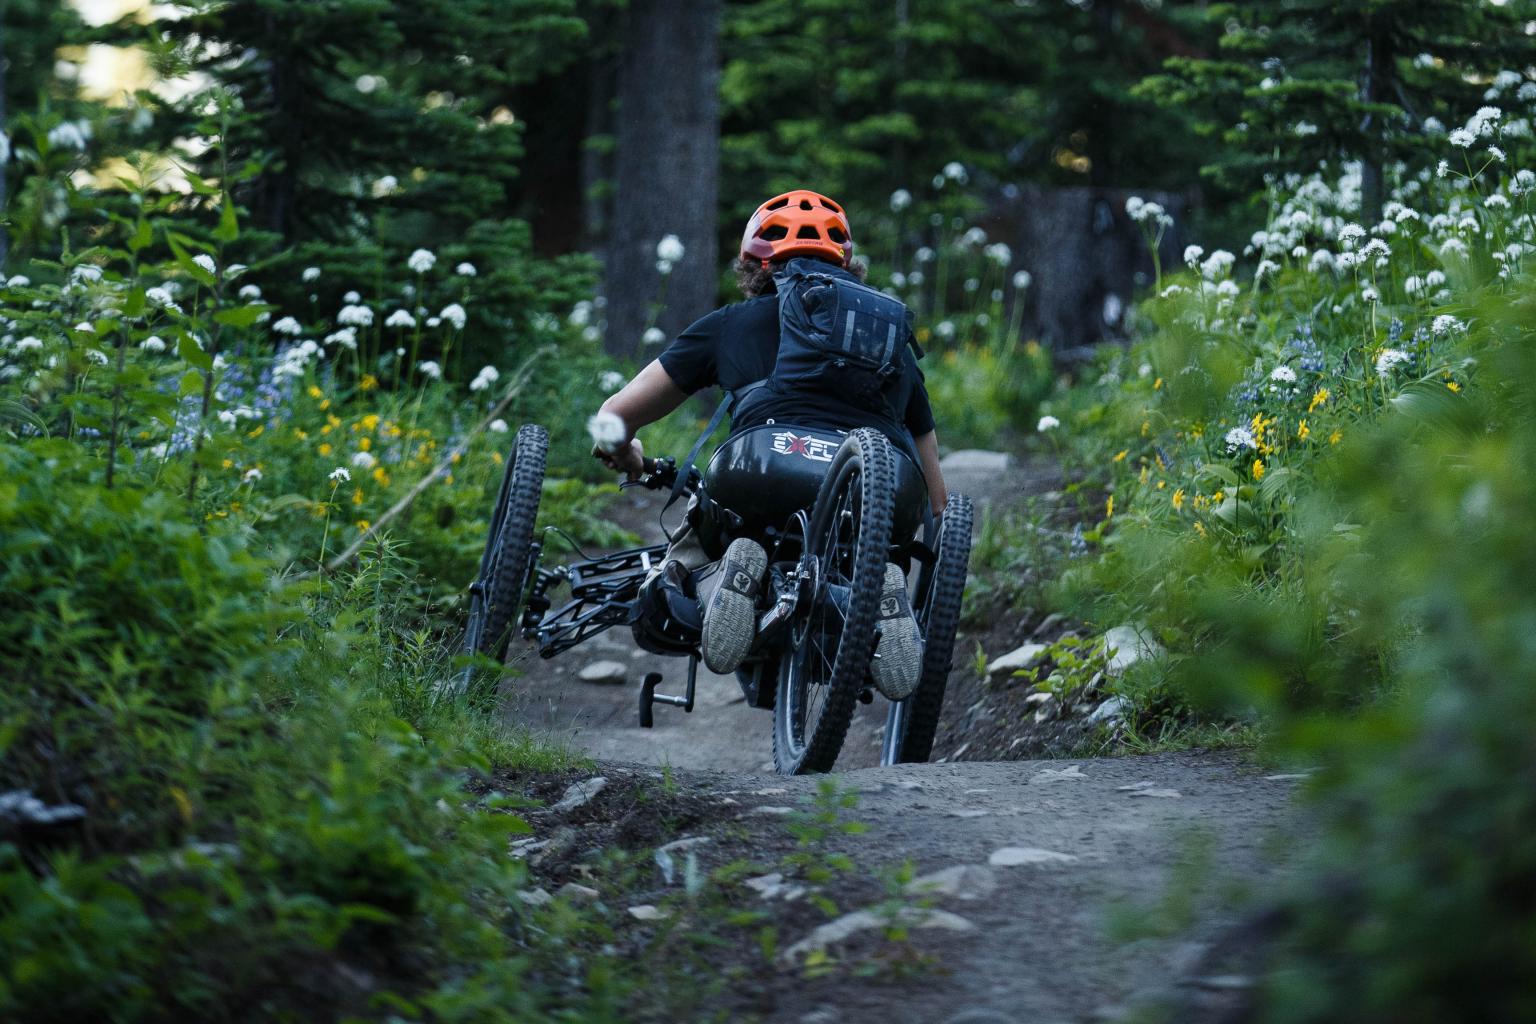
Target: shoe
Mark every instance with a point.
(898, 663)
(730, 613)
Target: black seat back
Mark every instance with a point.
(766, 474)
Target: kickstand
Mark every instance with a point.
(649, 696)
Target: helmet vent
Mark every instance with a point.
(778, 204)
(805, 204)
(837, 235)
(773, 233)
(807, 231)
(829, 204)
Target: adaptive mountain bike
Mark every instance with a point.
(830, 508)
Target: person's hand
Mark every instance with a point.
(629, 459)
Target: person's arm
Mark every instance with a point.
(928, 459)
(644, 400)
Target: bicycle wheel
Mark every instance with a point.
(916, 719)
(850, 534)
(503, 580)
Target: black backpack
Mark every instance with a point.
(838, 337)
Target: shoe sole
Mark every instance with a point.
(730, 618)
(898, 663)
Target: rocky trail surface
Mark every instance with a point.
(1023, 868)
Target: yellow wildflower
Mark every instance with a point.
(496, 457)
(1258, 469)
(1161, 484)
(1143, 474)
(1178, 499)
(368, 383)
(1109, 507)
(1336, 436)
(364, 443)
(1303, 431)
(380, 476)
(457, 456)
(1318, 399)
(315, 392)
(370, 422)
(1199, 527)
(325, 448)
(1157, 384)
(325, 405)
(448, 479)
(302, 435)
(229, 463)
(362, 524)
(325, 429)
(331, 419)
(357, 496)
(1032, 347)
(1121, 456)
(1453, 385)
(257, 431)
(1217, 498)
(1146, 427)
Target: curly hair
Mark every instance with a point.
(754, 279)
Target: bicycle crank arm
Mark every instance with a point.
(649, 696)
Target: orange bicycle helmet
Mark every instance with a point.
(798, 223)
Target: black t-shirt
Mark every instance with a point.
(736, 345)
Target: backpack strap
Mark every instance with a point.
(685, 469)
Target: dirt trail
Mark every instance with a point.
(1032, 945)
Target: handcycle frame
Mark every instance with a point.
(605, 589)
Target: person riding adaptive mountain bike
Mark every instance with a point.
(811, 355)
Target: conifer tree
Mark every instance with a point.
(1301, 81)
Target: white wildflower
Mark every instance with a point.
(1192, 255)
(1283, 374)
(1390, 358)
(310, 274)
(68, 135)
(1445, 324)
(607, 431)
(355, 316)
(1000, 254)
(364, 460)
(1047, 423)
(498, 426)
(454, 314)
(351, 298)
(1021, 280)
(1442, 168)
(420, 261)
(346, 338)
(86, 326)
(1266, 268)
(1217, 264)
(1351, 233)
(1496, 154)
(22, 281)
(581, 314)
(485, 378)
(670, 249)
(85, 273)
(385, 186)
(1228, 289)
(1172, 290)
(1370, 294)
(153, 343)
(29, 344)
(653, 336)
(1462, 139)
(340, 474)
(465, 270)
(96, 356)
(974, 237)
(955, 171)
(250, 292)
(1304, 129)
(1497, 202)
(1414, 284)
(923, 255)
(429, 369)
(400, 318)
(288, 325)
(1453, 247)
(1240, 437)
(1321, 260)
(228, 417)
(945, 329)
(205, 261)
(900, 200)
(251, 475)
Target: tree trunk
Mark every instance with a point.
(667, 167)
(1087, 258)
(1378, 84)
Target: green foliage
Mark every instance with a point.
(1311, 501)
(1304, 81)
